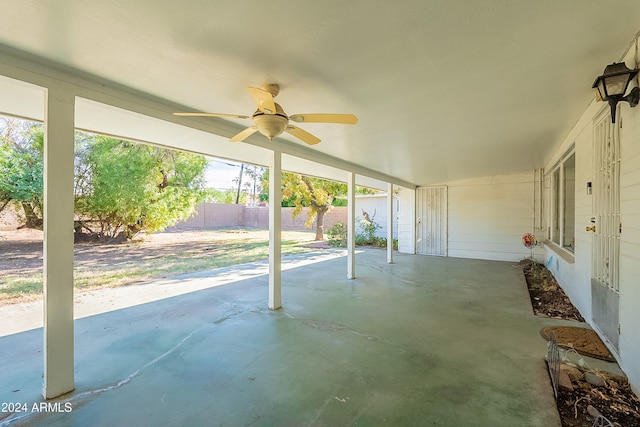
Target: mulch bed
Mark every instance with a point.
(584, 398)
(579, 404)
(547, 297)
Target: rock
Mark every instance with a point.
(572, 371)
(593, 379)
(565, 381)
(593, 411)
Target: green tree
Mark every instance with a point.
(123, 188)
(317, 194)
(254, 183)
(320, 195)
(21, 168)
(252, 191)
(224, 196)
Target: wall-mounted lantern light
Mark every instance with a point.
(612, 85)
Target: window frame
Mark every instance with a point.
(557, 214)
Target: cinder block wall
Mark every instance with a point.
(8, 220)
(216, 215)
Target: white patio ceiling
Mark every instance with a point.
(443, 90)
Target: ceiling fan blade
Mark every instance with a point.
(345, 119)
(244, 134)
(263, 99)
(236, 116)
(302, 134)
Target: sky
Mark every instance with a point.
(220, 173)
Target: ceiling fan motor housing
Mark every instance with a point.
(271, 125)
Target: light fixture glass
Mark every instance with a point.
(614, 80)
(271, 125)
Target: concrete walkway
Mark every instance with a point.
(26, 316)
(424, 341)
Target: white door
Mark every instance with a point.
(606, 228)
(431, 218)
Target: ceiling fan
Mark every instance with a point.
(271, 120)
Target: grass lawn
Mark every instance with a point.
(156, 256)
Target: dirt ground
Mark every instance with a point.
(21, 250)
(579, 404)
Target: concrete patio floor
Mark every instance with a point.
(424, 341)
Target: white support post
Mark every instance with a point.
(58, 243)
(390, 216)
(275, 231)
(351, 225)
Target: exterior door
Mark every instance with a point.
(606, 228)
(431, 218)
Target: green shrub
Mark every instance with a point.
(381, 242)
(361, 240)
(337, 235)
(369, 228)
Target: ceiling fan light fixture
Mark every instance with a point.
(270, 125)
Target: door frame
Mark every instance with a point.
(432, 221)
(605, 242)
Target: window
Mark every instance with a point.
(563, 194)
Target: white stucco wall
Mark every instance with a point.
(376, 206)
(630, 247)
(489, 215)
(574, 273)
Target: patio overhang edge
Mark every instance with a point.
(25, 67)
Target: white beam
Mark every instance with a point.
(390, 216)
(21, 99)
(275, 231)
(351, 225)
(58, 242)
